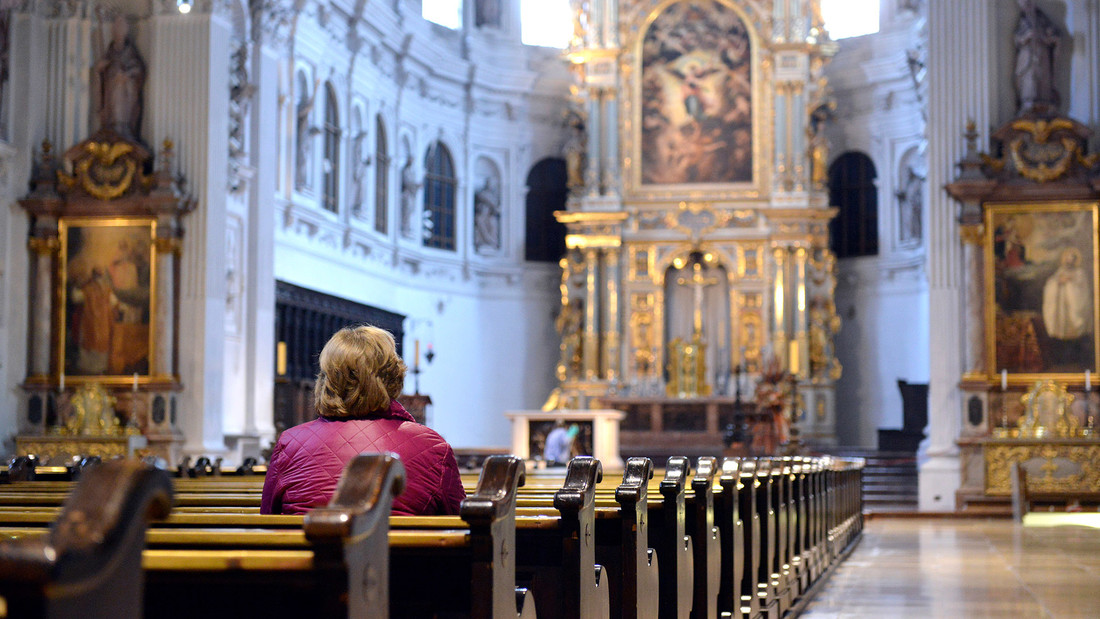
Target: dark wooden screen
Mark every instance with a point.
(304, 321)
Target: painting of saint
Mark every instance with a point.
(1043, 274)
(108, 284)
(696, 104)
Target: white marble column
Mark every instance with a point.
(260, 266)
(960, 73)
(194, 50)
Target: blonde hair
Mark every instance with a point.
(360, 373)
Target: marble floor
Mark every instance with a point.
(908, 567)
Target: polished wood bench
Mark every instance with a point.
(243, 561)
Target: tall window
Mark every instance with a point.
(439, 198)
(331, 175)
(850, 18)
(381, 177)
(443, 12)
(548, 23)
(852, 190)
(546, 193)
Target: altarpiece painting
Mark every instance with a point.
(696, 104)
(107, 270)
(1041, 293)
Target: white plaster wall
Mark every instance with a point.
(882, 300)
(884, 338)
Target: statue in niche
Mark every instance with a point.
(487, 216)
(574, 150)
(361, 161)
(304, 135)
(1036, 43)
(910, 204)
(487, 13)
(819, 144)
(409, 186)
(121, 73)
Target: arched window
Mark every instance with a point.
(443, 12)
(546, 193)
(548, 23)
(381, 177)
(850, 18)
(439, 198)
(852, 189)
(331, 164)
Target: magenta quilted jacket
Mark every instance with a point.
(308, 459)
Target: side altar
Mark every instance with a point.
(1029, 211)
(103, 301)
(697, 224)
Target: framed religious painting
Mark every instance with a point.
(106, 314)
(1041, 264)
(695, 110)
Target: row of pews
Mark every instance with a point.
(737, 538)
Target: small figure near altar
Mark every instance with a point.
(773, 394)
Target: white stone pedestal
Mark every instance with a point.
(605, 432)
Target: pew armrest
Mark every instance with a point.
(91, 557)
(579, 490)
(495, 496)
(363, 498)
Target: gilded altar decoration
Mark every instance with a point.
(1047, 412)
(1052, 465)
(687, 367)
(1042, 150)
(92, 414)
(105, 170)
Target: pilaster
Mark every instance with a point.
(194, 50)
(959, 51)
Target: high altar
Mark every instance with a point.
(697, 225)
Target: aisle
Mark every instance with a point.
(960, 568)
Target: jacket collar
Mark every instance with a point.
(395, 411)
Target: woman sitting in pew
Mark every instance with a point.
(361, 375)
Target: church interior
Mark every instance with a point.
(861, 235)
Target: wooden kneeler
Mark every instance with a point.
(89, 564)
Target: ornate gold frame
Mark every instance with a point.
(60, 319)
(762, 106)
(991, 212)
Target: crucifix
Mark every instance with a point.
(698, 281)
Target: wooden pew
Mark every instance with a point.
(707, 539)
(281, 558)
(790, 494)
(91, 556)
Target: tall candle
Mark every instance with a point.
(135, 381)
(61, 385)
(794, 356)
(280, 359)
(1088, 381)
(416, 354)
(1004, 380)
